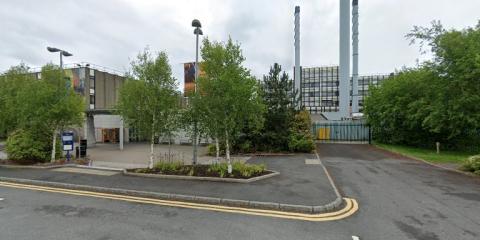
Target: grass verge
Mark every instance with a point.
(430, 155)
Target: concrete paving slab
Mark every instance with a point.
(137, 155)
(85, 171)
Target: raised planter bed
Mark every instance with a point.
(201, 173)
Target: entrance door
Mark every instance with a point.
(110, 135)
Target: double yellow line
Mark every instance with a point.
(350, 208)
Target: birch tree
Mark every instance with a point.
(48, 106)
(229, 94)
(148, 99)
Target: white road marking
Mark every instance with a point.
(1, 199)
(312, 161)
(355, 238)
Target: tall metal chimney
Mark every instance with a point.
(355, 107)
(297, 51)
(344, 78)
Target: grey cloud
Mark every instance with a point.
(111, 32)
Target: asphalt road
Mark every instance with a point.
(297, 183)
(401, 198)
(398, 198)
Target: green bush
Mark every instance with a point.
(300, 143)
(220, 168)
(24, 147)
(472, 164)
(245, 147)
(238, 169)
(212, 150)
(247, 170)
(168, 167)
(301, 139)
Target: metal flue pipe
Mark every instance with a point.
(355, 107)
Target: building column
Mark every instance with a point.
(121, 134)
(90, 131)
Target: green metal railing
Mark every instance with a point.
(342, 131)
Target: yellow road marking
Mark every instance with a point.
(350, 208)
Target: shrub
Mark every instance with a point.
(212, 150)
(301, 139)
(247, 170)
(24, 147)
(220, 168)
(300, 143)
(238, 169)
(245, 147)
(472, 164)
(168, 167)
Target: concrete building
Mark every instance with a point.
(100, 87)
(320, 91)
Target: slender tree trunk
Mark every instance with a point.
(227, 152)
(217, 147)
(150, 163)
(169, 147)
(54, 144)
(152, 141)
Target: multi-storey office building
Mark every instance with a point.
(100, 87)
(319, 88)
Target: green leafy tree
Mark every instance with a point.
(12, 83)
(228, 93)
(278, 95)
(54, 107)
(436, 101)
(40, 107)
(148, 99)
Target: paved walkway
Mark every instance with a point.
(137, 155)
(297, 183)
(3, 154)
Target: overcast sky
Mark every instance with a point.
(111, 32)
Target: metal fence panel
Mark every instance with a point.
(341, 131)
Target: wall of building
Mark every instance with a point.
(320, 90)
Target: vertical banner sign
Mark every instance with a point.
(189, 77)
(75, 79)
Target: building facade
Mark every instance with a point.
(320, 89)
(100, 89)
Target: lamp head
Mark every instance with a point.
(198, 31)
(196, 23)
(52, 49)
(66, 54)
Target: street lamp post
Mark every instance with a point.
(197, 31)
(62, 53)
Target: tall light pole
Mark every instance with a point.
(197, 31)
(62, 53)
(66, 54)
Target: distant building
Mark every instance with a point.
(100, 87)
(319, 89)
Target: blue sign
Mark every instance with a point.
(67, 141)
